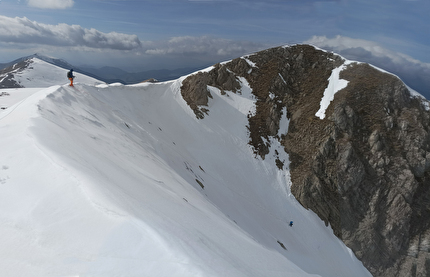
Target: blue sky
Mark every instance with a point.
(155, 34)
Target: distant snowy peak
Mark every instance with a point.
(58, 62)
(39, 71)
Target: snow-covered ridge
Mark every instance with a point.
(38, 72)
(109, 180)
(42, 74)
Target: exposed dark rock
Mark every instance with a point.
(364, 168)
(150, 80)
(195, 88)
(7, 74)
(195, 92)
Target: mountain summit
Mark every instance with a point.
(357, 141)
(258, 166)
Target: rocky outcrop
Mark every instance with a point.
(195, 91)
(385, 175)
(7, 75)
(364, 168)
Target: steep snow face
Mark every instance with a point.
(124, 180)
(40, 74)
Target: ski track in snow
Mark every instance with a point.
(102, 181)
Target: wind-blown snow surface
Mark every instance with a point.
(102, 181)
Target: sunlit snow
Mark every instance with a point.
(42, 74)
(335, 84)
(113, 180)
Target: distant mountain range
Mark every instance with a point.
(124, 77)
(106, 74)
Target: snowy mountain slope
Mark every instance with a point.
(357, 140)
(124, 180)
(37, 73)
(54, 61)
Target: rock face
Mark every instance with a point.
(364, 168)
(7, 74)
(195, 92)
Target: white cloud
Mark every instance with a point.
(203, 45)
(24, 31)
(342, 44)
(27, 33)
(51, 4)
(21, 37)
(412, 71)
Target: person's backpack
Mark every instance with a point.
(69, 74)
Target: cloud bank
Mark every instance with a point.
(51, 4)
(203, 45)
(25, 31)
(26, 34)
(414, 73)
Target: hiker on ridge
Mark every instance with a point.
(71, 77)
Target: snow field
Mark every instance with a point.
(107, 181)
